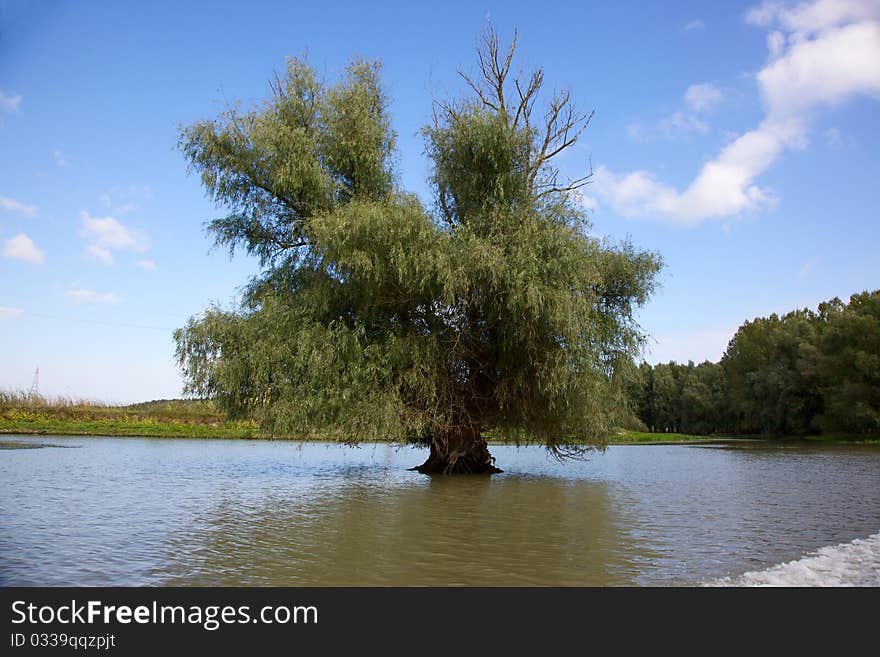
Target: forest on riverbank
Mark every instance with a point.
(805, 372)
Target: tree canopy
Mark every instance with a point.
(379, 315)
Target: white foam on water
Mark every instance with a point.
(847, 564)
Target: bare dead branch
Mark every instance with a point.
(527, 98)
(561, 126)
(477, 89)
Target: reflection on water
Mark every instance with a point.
(141, 511)
(516, 531)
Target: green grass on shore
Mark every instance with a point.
(41, 423)
(175, 418)
(625, 437)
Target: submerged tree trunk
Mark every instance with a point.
(461, 451)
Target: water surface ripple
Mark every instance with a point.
(138, 511)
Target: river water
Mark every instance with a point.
(133, 511)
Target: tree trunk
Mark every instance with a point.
(461, 451)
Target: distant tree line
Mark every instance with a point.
(804, 372)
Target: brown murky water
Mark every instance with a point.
(201, 512)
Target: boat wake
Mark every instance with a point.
(848, 564)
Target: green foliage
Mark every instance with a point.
(376, 317)
(309, 149)
(797, 374)
(770, 390)
(846, 362)
(689, 398)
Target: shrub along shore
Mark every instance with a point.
(178, 418)
(172, 418)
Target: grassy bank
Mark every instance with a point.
(642, 437)
(176, 418)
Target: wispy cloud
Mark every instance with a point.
(22, 248)
(702, 97)
(108, 234)
(11, 205)
(60, 158)
(826, 52)
(634, 130)
(9, 103)
(149, 265)
(9, 313)
(121, 198)
(696, 24)
(90, 296)
(833, 137)
(100, 254)
(679, 122)
(697, 98)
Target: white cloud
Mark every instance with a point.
(775, 44)
(722, 188)
(107, 234)
(21, 247)
(9, 103)
(12, 205)
(695, 24)
(813, 17)
(826, 62)
(60, 158)
(702, 97)
(149, 265)
(100, 254)
(827, 70)
(9, 313)
(716, 191)
(90, 296)
(105, 199)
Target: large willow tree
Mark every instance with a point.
(378, 317)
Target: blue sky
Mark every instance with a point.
(740, 140)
